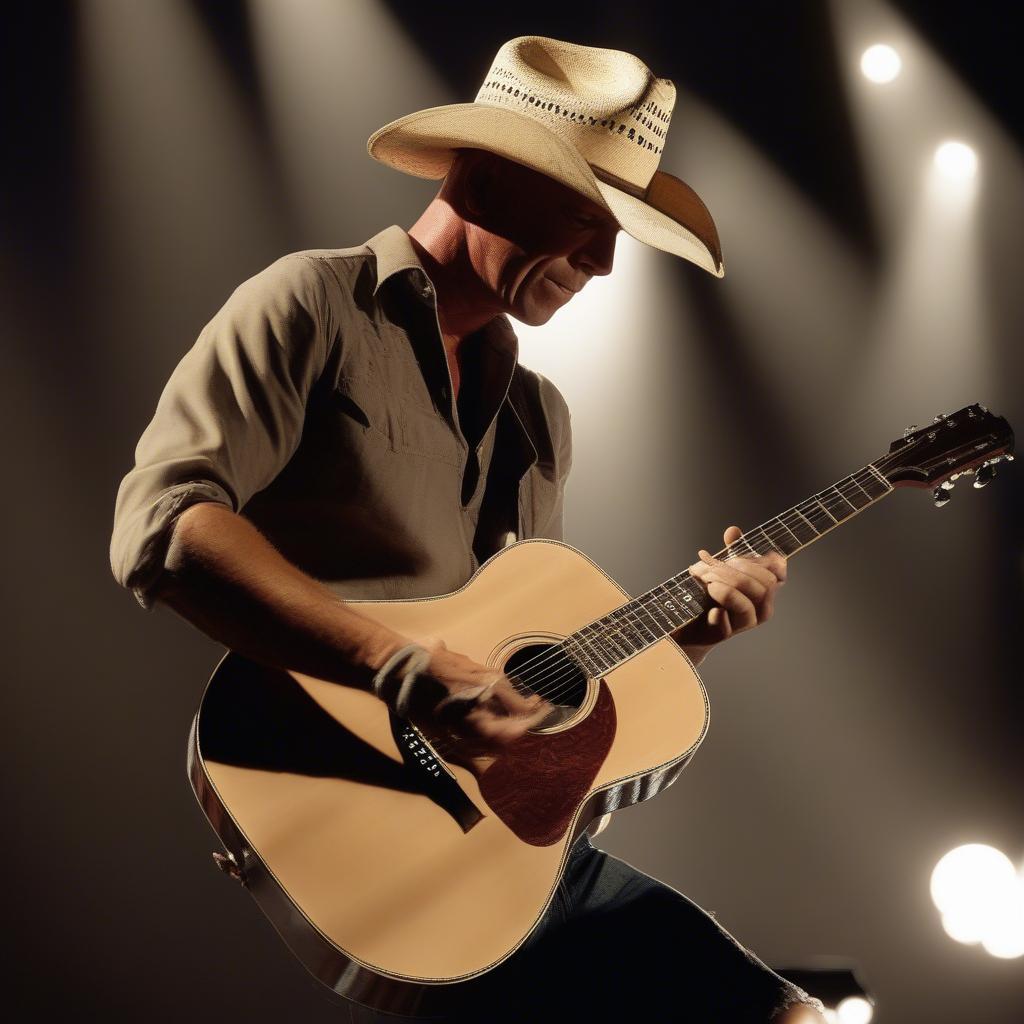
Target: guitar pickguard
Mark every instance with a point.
(536, 787)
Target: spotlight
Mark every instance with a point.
(981, 899)
(880, 63)
(838, 987)
(854, 1010)
(956, 160)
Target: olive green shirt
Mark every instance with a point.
(318, 403)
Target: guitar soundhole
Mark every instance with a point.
(547, 670)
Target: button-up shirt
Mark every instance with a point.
(318, 403)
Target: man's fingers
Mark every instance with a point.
(752, 586)
(742, 611)
(760, 570)
(718, 617)
(503, 729)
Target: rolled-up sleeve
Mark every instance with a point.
(230, 416)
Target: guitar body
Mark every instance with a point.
(391, 873)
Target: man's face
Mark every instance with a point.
(538, 242)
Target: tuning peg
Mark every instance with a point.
(941, 496)
(983, 475)
(909, 430)
(941, 416)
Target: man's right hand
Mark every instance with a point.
(476, 727)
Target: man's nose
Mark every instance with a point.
(599, 252)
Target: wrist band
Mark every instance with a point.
(418, 659)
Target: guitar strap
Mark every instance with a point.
(522, 438)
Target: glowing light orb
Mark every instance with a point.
(1004, 933)
(854, 1010)
(880, 63)
(956, 160)
(981, 898)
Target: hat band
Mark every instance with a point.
(620, 183)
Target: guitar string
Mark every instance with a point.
(868, 472)
(499, 805)
(567, 674)
(640, 627)
(570, 670)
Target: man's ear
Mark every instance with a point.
(477, 181)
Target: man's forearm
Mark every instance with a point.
(229, 581)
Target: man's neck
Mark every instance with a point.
(463, 305)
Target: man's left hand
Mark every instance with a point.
(743, 589)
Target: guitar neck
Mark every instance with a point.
(607, 642)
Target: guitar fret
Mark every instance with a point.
(691, 593)
(579, 653)
(667, 623)
(639, 610)
(844, 497)
(799, 543)
(625, 629)
(611, 641)
(858, 484)
(815, 532)
(764, 533)
(881, 479)
(825, 510)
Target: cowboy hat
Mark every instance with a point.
(593, 119)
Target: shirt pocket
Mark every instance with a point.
(394, 418)
(425, 432)
(363, 406)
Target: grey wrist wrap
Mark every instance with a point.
(400, 679)
(404, 667)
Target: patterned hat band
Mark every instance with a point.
(594, 119)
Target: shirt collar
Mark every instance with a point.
(395, 254)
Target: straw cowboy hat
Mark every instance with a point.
(593, 119)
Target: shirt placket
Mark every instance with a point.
(426, 292)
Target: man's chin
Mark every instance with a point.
(535, 315)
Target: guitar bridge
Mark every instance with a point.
(432, 779)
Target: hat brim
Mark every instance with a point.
(671, 217)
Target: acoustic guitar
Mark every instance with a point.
(391, 869)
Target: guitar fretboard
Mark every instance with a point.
(605, 643)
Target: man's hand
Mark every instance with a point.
(743, 589)
(465, 706)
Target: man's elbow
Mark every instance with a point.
(157, 569)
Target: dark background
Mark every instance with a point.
(875, 724)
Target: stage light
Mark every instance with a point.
(845, 999)
(956, 160)
(1004, 937)
(981, 898)
(970, 871)
(854, 1010)
(880, 63)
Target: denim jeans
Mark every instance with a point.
(618, 945)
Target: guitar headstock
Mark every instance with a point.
(969, 441)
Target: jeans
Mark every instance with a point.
(618, 945)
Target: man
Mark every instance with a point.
(366, 410)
